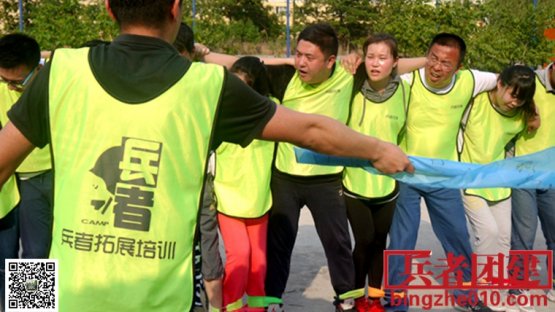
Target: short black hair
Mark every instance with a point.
(322, 35)
(450, 40)
(255, 73)
(19, 49)
(185, 40)
(141, 12)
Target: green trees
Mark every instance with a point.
(513, 32)
(232, 24)
(497, 32)
(60, 23)
(350, 18)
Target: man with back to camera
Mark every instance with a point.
(154, 116)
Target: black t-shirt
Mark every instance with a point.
(279, 77)
(135, 69)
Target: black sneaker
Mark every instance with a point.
(479, 307)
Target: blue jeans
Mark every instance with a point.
(528, 205)
(35, 215)
(9, 243)
(448, 221)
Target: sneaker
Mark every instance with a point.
(347, 305)
(522, 292)
(375, 305)
(551, 295)
(361, 304)
(501, 302)
(275, 307)
(479, 307)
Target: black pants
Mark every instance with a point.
(327, 206)
(9, 245)
(36, 215)
(370, 223)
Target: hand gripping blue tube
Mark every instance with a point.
(534, 171)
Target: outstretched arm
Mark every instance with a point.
(216, 58)
(278, 60)
(204, 53)
(14, 147)
(405, 65)
(326, 135)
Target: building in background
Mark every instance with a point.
(279, 8)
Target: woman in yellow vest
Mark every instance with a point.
(377, 109)
(242, 187)
(494, 119)
(531, 205)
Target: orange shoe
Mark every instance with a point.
(374, 305)
(362, 305)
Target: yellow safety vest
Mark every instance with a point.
(544, 137)
(242, 180)
(9, 194)
(433, 119)
(385, 121)
(485, 135)
(330, 98)
(127, 187)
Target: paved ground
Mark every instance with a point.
(309, 289)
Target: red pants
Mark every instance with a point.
(245, 250)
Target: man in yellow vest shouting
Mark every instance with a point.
(130, 125)
(318, 86)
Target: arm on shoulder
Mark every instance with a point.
(326, 135)
(208, 56)
(227, 60)
(278, 60)
(484, 81)
(351, 61)
(407, 65)
(45, 54)
(14, 147)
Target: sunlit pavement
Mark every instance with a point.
(309, 287)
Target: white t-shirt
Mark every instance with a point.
(483, 81)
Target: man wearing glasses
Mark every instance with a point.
(19, 85)
(20, 61)
(440, 93)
